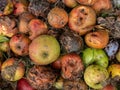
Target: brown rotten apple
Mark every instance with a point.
(12, 69)
(72, 66)
(41, 77)
(98, 39)
(57, 17)
(36, 27)
(82, 19)
(19, 44)
(44, 50)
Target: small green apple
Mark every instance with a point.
(95, 75)
(44, 50)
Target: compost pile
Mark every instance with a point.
(59, 45)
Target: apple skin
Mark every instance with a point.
(44, 50)
(95, 75)
(12, 70)
(109, 87)
(87, 2)
(97, 56)
(114, 70)
(19, 44)
(37, 27)
(70, 3)
(82, 19)
(23, 84)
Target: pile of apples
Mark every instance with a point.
(65, 49)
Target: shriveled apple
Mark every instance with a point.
(57, 17)
(24, 19)
(98, 39)
(72, 66)
(8, 26)
(19, 44)
(12, 69)
(36, 27)
(70, 3)
(95, 76)
(44, 50)
(82, 19)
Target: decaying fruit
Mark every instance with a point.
(87, 2)
(71, 42)
(8, 26)
(97, 39)
(24, 19)
(19, 44)
(57, 17)
(44, 50)
(12, 69)
(82, 19)
(114, 70)
(72, 66)
(36, 28)
(70, 3)
(41, 77)
(74, 85)
(95, 76)
(109, 87)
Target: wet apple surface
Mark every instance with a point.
(59, 45)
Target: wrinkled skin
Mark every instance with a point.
(72, 66)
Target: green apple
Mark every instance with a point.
(44, 50)
(95, 76)
(97, 56)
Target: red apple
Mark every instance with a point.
(19, 44)
(109, 87)
(37, 27)
(57, 63)
(23, 84)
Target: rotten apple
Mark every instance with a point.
(44, 50)
(57, 17)
(70, 3)
(36, 27)
(72, 66)
(109, 87)
(97, 39)
(12, 69)
(19, 44)
(87, 2)
(82, 19)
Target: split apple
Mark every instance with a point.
(44, 50)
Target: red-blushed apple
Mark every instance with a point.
(24, 19)
(23, 84)
(19, 44)
(57, 63)
(37, 27)
(19, 8)
(12, 69)
(72, 66)
(109, 87)
(70, 3)
(82, 19)
(57, 17)
(44, 50)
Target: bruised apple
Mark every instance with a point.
(44, 50)
(109, 87)
(87, 2)
(12, 69)
(36, 27)
(82, 19)
(72, 66)
(70, 3)
(19, 44)
(98, 39)
(57, 17)
(95, 76)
